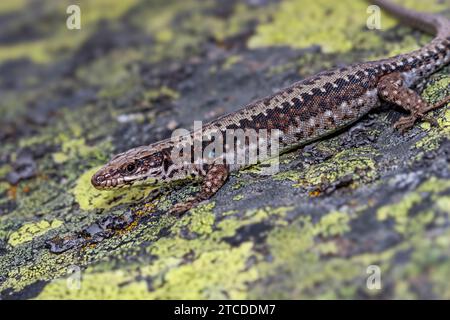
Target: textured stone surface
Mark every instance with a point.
(134, 72)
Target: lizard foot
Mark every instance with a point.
(405, 123)
(392, 89)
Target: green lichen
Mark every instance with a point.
(119, 284)
(73, 148)
(212, 270)
(400, 211)
(225, 275)
(163, 91)
(295, 24)
(202, 219)
(358, 163)
(334, 224)
(29, 231)
(214, 275)
(433, 93)
(296, 253)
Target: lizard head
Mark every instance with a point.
(136, 166)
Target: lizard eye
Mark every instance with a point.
(131, 168)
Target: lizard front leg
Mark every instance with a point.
(214, 179)
(391, 88)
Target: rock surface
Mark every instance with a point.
(367, 199)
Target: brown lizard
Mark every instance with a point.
(303, 112)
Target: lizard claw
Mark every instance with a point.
(407, 122)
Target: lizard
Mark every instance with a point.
(307, 110)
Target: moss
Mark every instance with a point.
(29, 231)
(238, 197)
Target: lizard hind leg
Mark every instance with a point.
(391, 88)
(214, 179)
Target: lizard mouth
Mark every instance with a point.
(101, 182)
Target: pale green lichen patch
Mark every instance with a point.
(214, 275)
(358, 163)
(119, 284)
(400, 211)
(217, 274)
(295, 24)
(296, 252)
(238, 197)
(73, 148)
(198, 268)
(334, 224)
(202, 219)
(29, 231)
(90, 198)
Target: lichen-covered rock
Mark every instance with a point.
(368, 198)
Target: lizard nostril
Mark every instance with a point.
(97, 180)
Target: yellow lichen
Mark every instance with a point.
(295, 24)
(31, 230)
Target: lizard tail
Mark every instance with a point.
(429, 23)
